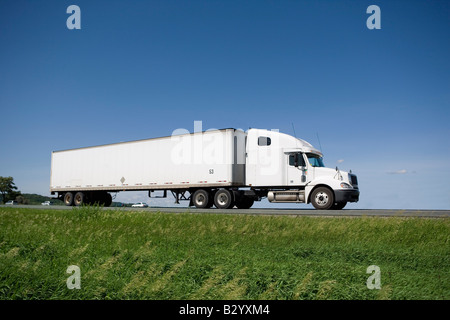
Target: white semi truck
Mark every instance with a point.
(224, 168)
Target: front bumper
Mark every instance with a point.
(351, 195)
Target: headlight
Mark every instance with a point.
(346, 185)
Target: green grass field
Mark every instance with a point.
(147, 255)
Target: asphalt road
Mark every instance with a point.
(279, 211)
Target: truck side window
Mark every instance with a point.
(296, 158)
(264, 141)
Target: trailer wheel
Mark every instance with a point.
(68, 198)
(200, 198)
(107, 199)
(223, 199)
(245, 203)
(322, 198)
(79, 199)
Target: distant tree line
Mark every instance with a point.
(9, 191)
(32, 198)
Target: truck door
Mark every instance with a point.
(296, 169)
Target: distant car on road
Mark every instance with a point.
(11, 203)
(140, 205)
(47, 203)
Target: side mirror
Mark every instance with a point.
(296, 160)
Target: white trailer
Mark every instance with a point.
(224, 168)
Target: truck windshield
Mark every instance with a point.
(315, 160)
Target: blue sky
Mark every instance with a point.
(378, 99)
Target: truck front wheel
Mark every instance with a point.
(322, 198)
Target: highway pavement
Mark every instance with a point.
(276, 211)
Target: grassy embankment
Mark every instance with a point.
(145, 255)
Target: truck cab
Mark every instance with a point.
(292, 170)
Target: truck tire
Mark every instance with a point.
(322, 198)
(339, 205)
(79, 199)
(223, 199)
(107, 199)
(68, 198)
(201, 198)
(245, 203)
